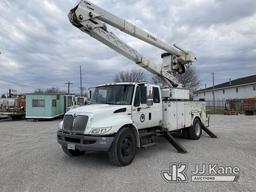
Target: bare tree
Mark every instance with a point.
(157, 80)
(130, 76)
(53, 90)
(49, 90)
(39, 90)
(189, 79)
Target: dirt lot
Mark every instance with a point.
(31, 160)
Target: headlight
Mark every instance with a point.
(100, 130)
(60, 125)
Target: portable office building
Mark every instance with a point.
(45, 105)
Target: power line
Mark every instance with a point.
(15, 83)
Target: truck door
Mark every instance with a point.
(145, 112)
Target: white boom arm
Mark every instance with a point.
(92, 20)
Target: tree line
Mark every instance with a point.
(189, 79)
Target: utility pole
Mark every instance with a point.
(81, 82)
(10, 93)
(68, 83)
(213, 94)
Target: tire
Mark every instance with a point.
(72, 153)
(195, 131)
(123, 148)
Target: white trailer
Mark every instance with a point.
(125, 116)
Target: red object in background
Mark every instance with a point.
(230, 112)
(21, 102)
(249, 106)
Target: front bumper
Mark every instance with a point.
(85, 142)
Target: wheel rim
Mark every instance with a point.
(126, 147)
(197, 129)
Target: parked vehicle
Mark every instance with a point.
(233, 107)
(13, 107)
(127, 116)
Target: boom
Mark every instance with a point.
(92, 20)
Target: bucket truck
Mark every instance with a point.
(130, 115)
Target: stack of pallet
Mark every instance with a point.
(249, 106)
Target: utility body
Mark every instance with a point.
(125, 116)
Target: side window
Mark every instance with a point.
(137, 97)
(54, 103)
(38, 103)
(143, 94)
(156, 95)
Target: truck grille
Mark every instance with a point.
(68, 122)
(75, 124)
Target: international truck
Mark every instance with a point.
(125, 116)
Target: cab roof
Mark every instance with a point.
(122, 83)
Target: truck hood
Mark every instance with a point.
(97, 109)
(102, 116)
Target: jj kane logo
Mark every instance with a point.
(176, 173)
(200, 173)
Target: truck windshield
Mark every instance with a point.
(113, 94)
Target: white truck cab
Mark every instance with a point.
(126, 116)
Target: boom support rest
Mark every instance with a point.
(174, 143)
(209, 132)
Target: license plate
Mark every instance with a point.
(71, 146)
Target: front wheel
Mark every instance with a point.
(71, 152)
(195, 131)
(123, 149)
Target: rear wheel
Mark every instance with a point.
(195, 131)
(123, 149)
(72, 152)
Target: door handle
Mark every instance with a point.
(138, 109)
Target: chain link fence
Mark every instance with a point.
(215, 107)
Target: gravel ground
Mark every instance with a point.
(31, 160)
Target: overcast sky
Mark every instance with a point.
(40, 48)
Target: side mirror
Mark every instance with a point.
(90, 94)
(149, 95)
